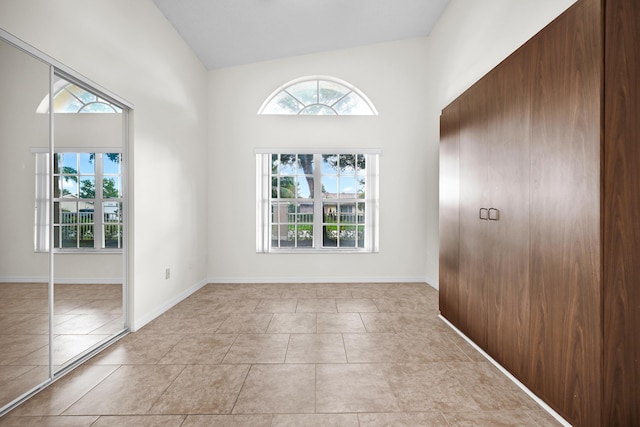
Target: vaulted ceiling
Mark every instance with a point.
(226, 33)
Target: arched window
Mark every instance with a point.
(70, 98)
(318, 96)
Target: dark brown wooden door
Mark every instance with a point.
(507, 279)
(622, 215)
(566, 292)
(474, 157)
(449, 212)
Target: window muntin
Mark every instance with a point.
(317, 202)
(85, 215)
(318, 96)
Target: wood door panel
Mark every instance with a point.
(566, 311)
(473, 231)
(449, 212)
(622, 214)
(508, 99)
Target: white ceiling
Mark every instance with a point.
(233, 32)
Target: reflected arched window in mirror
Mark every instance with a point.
(318, 96)
(71, 98)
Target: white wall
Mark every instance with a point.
(470, 39)
(393, 76)
(129, 48)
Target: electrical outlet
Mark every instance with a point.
(167, 274)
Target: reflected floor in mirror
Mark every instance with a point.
(288, 355)
(84, 316)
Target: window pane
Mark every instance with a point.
(87, 187)
(287, 187)
(283, 103)
(306, 163)
(86, 235)
(288, 163)
(352, 104)
(329, 164)
(347, 163)
(361, 236)
(318, 110)
(361, 187)
(87, 163)
(348, 214)
(111, 187)
(330, 236)
(305, 187)
(68, 213)
(304, 213)
(348, 236)
(69, 236)
(111, 163)
(68, 163)
(330, 212)
(347, 187)
(305, 235)
(329, 187)
(360, 212)
(305, 92)
(67, 186)
(362, 164)
(330, 92)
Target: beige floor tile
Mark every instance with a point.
(356, 305)
(339, 323)
(294, 323)
(65, 348)
(278, 389)
(217, 389)
(21, 384)
(258, 348)
(63, 393)
(287, 305)
(403, 305)
(489, 387)
(498, 419)
(84, 324)
(317, 305)
(315, 420)
(11, 421)
(15, 347)
(228, 421)
(140, 421)
(417, 419)
(130, 390)
(333, 293)
(427, 387)
(245, 323)
(139, 348)
(186, 322)
(378, 322)
(316, 348)
(206, 349)
(299, 293)
(353, 388)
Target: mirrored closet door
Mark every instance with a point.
(63, 271)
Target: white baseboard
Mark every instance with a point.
(508, 374)
(308, 279)
(64, 280)
(139, 323)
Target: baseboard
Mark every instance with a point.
(307, 279)
(64, 280)
(139, 323)
(508, 374)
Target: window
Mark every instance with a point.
(87, 201)
(317, 201)
(71, 98)
(320, 97)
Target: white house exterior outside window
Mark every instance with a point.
(315, 201)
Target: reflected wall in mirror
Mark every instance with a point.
(87, 220)
(24, 295)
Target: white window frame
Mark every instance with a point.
(43, 195)
(264, 199)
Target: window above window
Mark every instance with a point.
(318, 96)
(70, 98)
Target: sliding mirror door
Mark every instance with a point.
(24, 271)
(63, 228)
(88, 203)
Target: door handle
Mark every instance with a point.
(494, 214)
(483, 214)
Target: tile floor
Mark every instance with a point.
(288, 355)
(84, 317)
